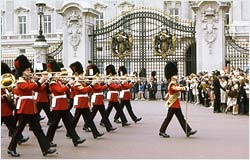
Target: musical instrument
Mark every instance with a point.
(7, 80)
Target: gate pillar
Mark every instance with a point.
(210, 39)
(78, 22)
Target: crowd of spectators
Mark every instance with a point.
(221, 91)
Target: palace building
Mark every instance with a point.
(143, 35)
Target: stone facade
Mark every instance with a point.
(72, 22)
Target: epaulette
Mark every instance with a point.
(20, 80)
(51, 82)
(80, 87)
(77, 84)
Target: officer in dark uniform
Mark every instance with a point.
(173, 102)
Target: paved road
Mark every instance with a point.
(219, 136)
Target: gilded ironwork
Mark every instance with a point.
(144, 24)
(122, 44)
(164, 44)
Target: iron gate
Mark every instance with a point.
(237, 51)
(144, 24)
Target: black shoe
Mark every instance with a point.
(58, 127)
(13, 153)
(126, 124)
(23, 140)
(87, 129)
(51, 144)
(67, 135)
(79, 141)
(164, 135)
(98, 135)
(111, 129)
(191, 133)
(138, 119)
(102, 124)
(41, 118)
(117, 121)
(49, 151)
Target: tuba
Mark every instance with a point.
(7, 80)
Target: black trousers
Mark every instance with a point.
(85, 113)
(217, 103)
(46, 107)
(105, 120)
(180, 117)
(118, 109)
(67, 121)
(10, 123)
(129, 108)
(33, 121)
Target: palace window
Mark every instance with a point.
(22, 23)
(100, 19)
(47, 23)
(174, 12)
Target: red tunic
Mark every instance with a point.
(114, 92)
(174, 88)
(126, 89)
(81, 95)
(59, 94)
(42, 94)
(5, 109)
(98, 89)
(24, 90)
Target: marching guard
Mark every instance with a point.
(81, 100)
(7, 106)
(26, 109)
(113, 95)
(173, 102)
(97, 99)
(125, 97)
(60, 108)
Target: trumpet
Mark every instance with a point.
(7, 80)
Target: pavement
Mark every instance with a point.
(219, 136)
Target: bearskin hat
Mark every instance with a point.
(21, 63)
(216, 73)
(143, 73)
(153, 73)
(110, 69)
(53, 67)
(94, 68)
(76, 67)
(170, 70)
(5, 68)
(123, 70)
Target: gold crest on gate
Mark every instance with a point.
(164, 44)
(121, 44)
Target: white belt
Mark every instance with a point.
(21, 98)
(76, 98)
(93, 97)
(54, 98)
(122, 93)
(36, 95)
(110, 92)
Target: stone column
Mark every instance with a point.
(77, 25)
(40, 55)
(210, 38)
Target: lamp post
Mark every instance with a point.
(40, 11)
(40, 45)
